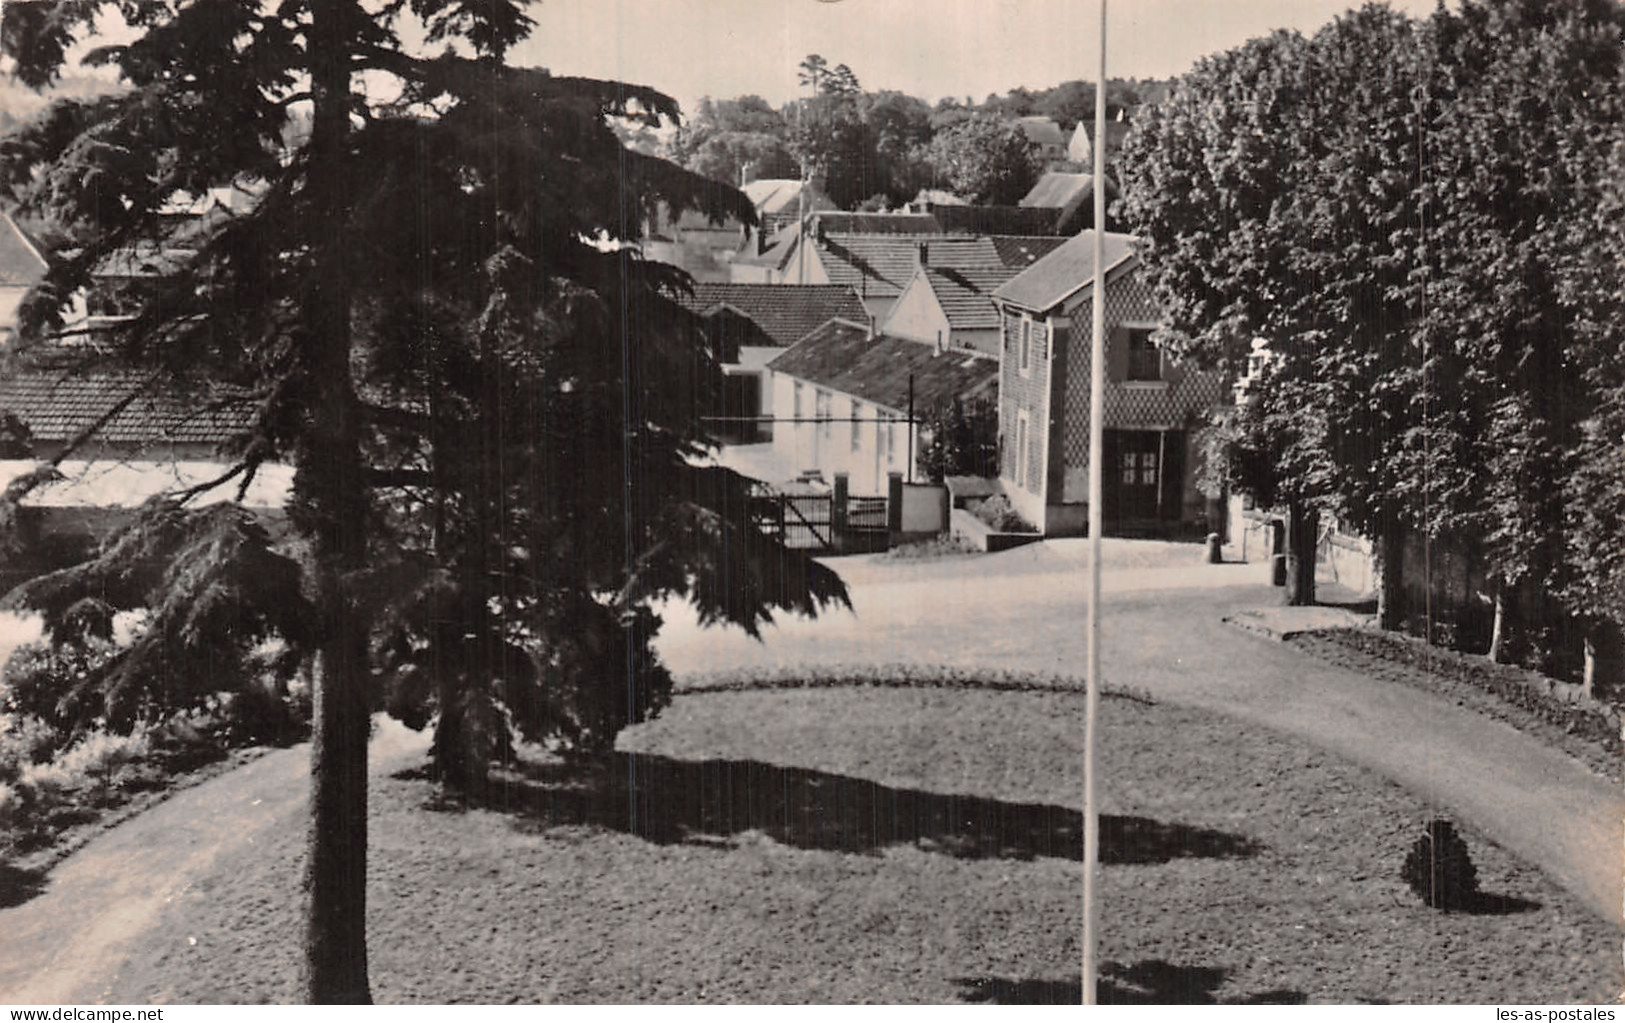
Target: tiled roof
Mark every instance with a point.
(785, 312)
(779, 195)
(776, 247)
(1042, 131)
(966, 295)
(22, 264)
(1059, 190)
(1052, 279)
(1022, 251)
(58, 405)
(882, 265)
(844, 358)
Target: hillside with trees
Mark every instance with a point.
(878, 149)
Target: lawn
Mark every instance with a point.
(898, 845)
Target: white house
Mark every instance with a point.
(843, 396)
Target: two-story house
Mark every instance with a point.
(1153, 412)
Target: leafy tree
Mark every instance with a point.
(491, 412)
(732, 137)
(1270, 211)
(962, 439)
(899, 125)
(985, 159)
(813, 72)
(835, 142)
(1389, 206)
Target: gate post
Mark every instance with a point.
(838, 508)
(894, 503)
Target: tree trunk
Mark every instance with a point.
(1302, 525)
(330, 511)
(1391, 589)
(1498, 627)
(1588, 680)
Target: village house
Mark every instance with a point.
(1080, 149)
(1154, 408)
(844, 396)
(1070, 196)
(22, 265)
(119, 436)
(749, 325)
(878, 264)
(706, 248)
(1046, 137)
(952, 307)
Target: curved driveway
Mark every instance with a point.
(1020, 610)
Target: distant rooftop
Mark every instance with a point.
(786, 313)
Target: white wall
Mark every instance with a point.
(10, 299)
(829, 448)
(917, 315)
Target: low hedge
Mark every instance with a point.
(897, 676)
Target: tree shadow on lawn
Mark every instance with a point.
(665, 800)
(1148, 982)
(18, 885)
(1489, 904)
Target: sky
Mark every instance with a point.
(928, 48)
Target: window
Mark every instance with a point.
(1021, 449)
(857, 414)
(1026, 344)
(1144, 358)
(883, 432)
(796, 410)
(821, 410)
(1139, 468)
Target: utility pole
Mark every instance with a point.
(1097, 445)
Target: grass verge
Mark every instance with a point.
(897, 845)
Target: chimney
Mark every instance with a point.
(923, 255)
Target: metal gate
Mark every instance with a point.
(804, 521)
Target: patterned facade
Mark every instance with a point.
(1151, 424)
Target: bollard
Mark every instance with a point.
(1278, 570)
(1215, 552)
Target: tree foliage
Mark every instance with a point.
(961, 439)
(1404, 211)
(492, 405)
(986, 160)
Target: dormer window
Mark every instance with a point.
(1144, 358)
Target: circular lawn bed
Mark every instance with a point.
(897, 845)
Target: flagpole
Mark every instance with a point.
(1097, 444)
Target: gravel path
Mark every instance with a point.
(68, 945)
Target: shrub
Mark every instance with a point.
(999, 515)
(54, 683)
(27, 740)
(1439, 869)
(946, 546)
(96, 761)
